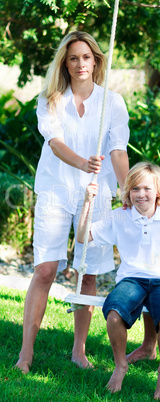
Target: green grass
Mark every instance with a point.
(53, 376)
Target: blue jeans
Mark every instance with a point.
(129, 296)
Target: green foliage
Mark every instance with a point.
(51, 4)
(19, 137)
(19, 154)
(31, 31)
(16, 231)
(16, 212)
(70, 8)
(7, 106)
(144, 123)
(142, 25)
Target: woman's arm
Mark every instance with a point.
(91, 191)
(120, 164)
(118, 138)
(62, 151)
(49, 126)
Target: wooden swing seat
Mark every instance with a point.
(85, 300)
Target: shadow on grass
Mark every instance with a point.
(53, 374)
(17, 297)
(51, 346)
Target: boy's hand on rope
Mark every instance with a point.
(91, 191)
(82, 230)
(93, 165)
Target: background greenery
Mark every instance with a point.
(30, 31)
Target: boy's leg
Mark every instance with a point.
(121, 309)
(148, 347)
(157, 391)
(118, 337)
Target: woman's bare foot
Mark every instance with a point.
(141, 353)
(82, 362)
(115, 382)
(22, 365)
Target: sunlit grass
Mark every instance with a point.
(53, 376)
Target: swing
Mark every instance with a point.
(78, 300)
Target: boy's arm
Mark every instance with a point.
(91, 191)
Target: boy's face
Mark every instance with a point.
(143, 196)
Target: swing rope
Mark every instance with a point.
(83, 266)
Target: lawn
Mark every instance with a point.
(53, 376)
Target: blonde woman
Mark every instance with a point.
(68, 113)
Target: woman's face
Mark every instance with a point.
(80, 62)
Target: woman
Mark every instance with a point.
(68, 112)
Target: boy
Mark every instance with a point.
(135, 231)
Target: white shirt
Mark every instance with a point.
(65, 183)
(137, 239)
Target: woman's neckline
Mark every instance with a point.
(80, 102)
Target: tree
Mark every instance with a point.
(31, 30)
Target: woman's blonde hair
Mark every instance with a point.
(134, 177)
(58, 78)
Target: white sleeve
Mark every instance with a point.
(118, 130)
(103, 232)
(48, 123)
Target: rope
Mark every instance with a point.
(83, 266)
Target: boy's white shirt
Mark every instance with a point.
(137, 239)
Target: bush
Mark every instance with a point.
(19, 137)
(144, 129)
(20, 150)
(16, 212)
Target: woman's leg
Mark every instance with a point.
(118, 337)
(82, 320)
(148, 347)
(35, 305)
